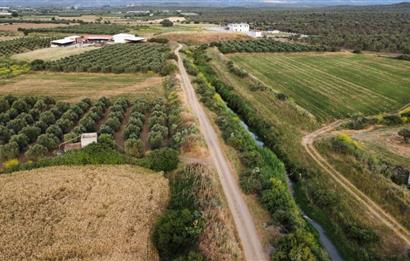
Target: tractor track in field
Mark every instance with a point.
(369, 204)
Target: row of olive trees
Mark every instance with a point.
(115, 117)
(45, 129)
(133, 144)
(24, 44)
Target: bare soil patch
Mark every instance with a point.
(73, 87)
(15, 26)
(80, 213)
(202, 37)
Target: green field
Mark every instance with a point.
(333, 84)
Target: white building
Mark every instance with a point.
(127, 38)
(241, 27)
(88, 138)
(255, 34)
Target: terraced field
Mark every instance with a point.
(333, 84)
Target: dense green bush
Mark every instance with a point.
(165, 159)
(36, 152)
(9, 151)
(176, 231)
(134, 147)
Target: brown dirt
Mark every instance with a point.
(80, 213)
(385, 137)
(145, 132)
(202, 37)
(73, 87)
(16, 26)
(119, 135)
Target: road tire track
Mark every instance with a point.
(357, 194)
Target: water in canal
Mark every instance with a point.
(324, 239)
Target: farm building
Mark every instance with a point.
(241, 27)
(63, 42)
(88, 138)
(127, 38)
(255, 34)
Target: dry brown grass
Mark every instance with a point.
(73, 87)
(15, 27)
(80, 213)
(202, 37)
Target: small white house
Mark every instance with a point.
(88, 138)
(255, 34)
(241, 27)
(127, 38)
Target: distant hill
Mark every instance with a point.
(90, 3)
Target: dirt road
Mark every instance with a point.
(243, 220)
(369, 204)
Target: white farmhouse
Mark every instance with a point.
(241, 27)
(127, 38)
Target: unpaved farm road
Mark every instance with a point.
(243, 220)
(369, 204)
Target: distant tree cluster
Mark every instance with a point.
(265, 45)
(80, 29)
(384, 28)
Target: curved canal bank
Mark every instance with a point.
(323, 237)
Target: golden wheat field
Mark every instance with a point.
(80, 213)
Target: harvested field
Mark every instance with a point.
(333, 85)
(73, 87)
(14, 27)
(80, 213)
(202, 37)
(50, 54)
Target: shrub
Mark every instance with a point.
(9, 151)
(166, 23)
(343, 143)
(36, 152)
(11, 164)
(155, 140)
(107, 140)
(163, 159)
(5, 134)
(20, 105)
(47, 117)
(16, 125)
(134, 147)
(405, 133)
(48, 140)
(176, 231)
(31, 132)
(21, 139)
(168, 68)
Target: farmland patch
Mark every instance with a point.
(333, 85)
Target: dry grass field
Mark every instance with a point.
(50, 54)
(73, 87)
(80, 213)
(16, 26)
(202, 37)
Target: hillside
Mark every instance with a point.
(80, 213)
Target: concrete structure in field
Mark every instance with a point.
(88, 138)
(127, 38)
(240, 27)
(255, 34)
